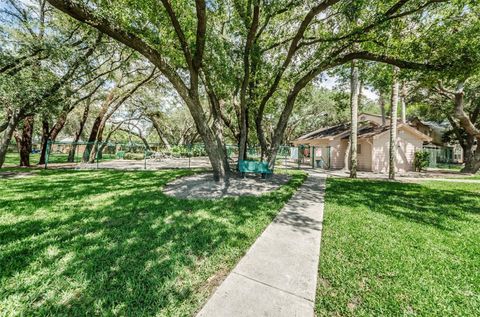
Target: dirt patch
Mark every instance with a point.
(13, 175)
(202, 186)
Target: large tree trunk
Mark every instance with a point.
(7, 134)
(53, 134)
(393, 125)
(246, 82)
(471, 157)
(472, 164)
(213, 139)
(282, 124)
(25, 141)
(91, 139)
(98, 141)
(78, 134)
(354, 96)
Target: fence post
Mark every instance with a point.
(189, 155)
(312, 155)
(329, 156)
(299, 149)
(96, 153)
(145, 158)
(47, 154)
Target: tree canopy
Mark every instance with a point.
(243, 68)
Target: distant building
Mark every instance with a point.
(331, 144)
(440, 151)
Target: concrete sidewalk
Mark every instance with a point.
(278, 275)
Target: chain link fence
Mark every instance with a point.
(108, 155)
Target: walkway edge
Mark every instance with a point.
(278, 275)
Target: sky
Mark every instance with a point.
(330, 82)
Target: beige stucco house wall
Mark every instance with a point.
(373, 149)
(364, 154)
(407, 144)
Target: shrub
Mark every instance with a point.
(421, 161)
(134, 156)
(186, 151)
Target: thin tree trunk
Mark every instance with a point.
(78, 134)
(346, 159)
(107, 111)
(45, 138)
(381, 101)
(354, 98)
(360, 94)
(138, 135)
(393, 125)
(160, 133)
(109, 135)
(242, 149)
(7, 134)
(403, 99)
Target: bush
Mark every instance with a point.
(134, 156)
(421, 161)
(186, 151)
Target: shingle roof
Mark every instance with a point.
(365, 129)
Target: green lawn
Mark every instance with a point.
(84, 243)
(396, 249)
(477, 176)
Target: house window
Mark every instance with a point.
(359, 149)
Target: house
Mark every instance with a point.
(331, 144)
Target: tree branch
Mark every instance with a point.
(180, 34)
(85, 15)
(201, 33)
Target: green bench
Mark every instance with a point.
(120, 155)
(247, 166)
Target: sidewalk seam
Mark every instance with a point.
(271, 286)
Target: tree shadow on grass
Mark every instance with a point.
(111, 243)
(428, 205)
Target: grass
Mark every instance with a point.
(83, 243)
(397, 249)
(476, 176)
(451, 167)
